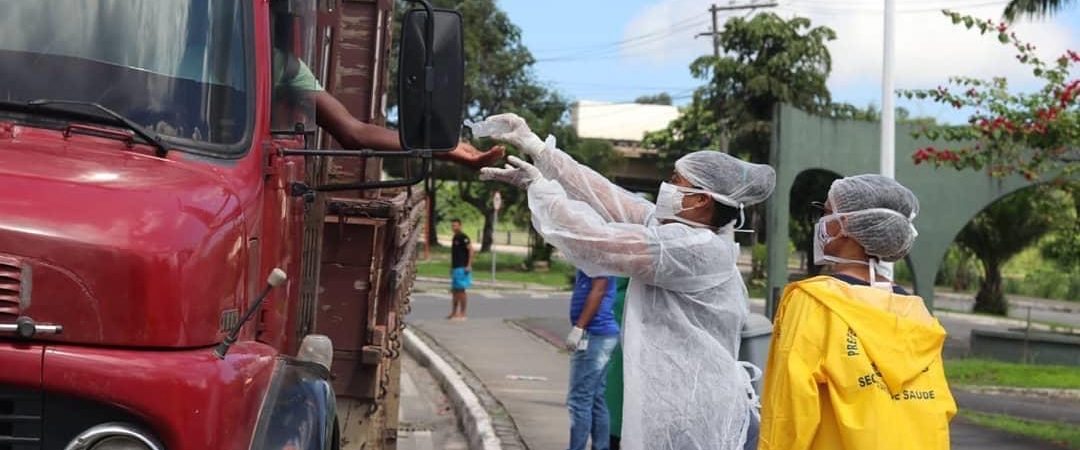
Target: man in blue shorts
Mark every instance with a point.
(461, 258)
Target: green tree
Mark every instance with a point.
(1063, 246)
(767, 60)
(1004, 229)
(662, 98)
(595, 153)
(1033, 8)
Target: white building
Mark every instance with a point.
(625, 125)
(621, 123)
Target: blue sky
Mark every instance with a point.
(577, 45)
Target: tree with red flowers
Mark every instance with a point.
(1031, 134)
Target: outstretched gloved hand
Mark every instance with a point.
(511, 129)
(518, 173)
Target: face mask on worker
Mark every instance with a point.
(822, 239)
(669, 204)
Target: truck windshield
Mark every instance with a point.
(178, 67)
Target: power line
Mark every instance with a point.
(715, 10)
(616, 51)
(592, 47)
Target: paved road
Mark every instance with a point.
(1066, 314)
(491, 304)
(520, 304)
(501, 353)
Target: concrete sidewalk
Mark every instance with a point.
(529, 376)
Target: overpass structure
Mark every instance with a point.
(625, 125)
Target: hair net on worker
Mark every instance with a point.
(684, 388)
(743, 182)
(878, 212)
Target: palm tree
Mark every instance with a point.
(1033, 8)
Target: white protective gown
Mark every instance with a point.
(685, 306)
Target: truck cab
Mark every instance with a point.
(156, 166)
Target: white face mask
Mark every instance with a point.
(822, 239)
(669, 203)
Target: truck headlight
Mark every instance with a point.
(114, 436)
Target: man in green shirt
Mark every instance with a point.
(293, 79)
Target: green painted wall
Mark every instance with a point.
(948, 198)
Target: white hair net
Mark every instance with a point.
(878, 211)
(717, 172)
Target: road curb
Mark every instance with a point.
(475, 421)
(1043, 393)
(985, 320)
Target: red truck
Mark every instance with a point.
(182, 253)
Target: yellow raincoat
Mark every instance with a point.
(856, 368)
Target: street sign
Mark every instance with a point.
(496, 202)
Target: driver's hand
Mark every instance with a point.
(469, 156)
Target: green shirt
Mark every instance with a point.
(614, 389)
(302, 79)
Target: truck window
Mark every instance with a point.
(179, 67)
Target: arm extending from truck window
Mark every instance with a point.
(332, 116)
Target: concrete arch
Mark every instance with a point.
(805, 189)
(948, 198)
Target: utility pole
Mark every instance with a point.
(715, 33)
(715, 10)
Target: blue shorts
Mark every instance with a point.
(460, 279)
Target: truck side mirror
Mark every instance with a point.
(431, 79)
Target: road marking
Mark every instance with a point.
(529, 391)
(526, 378)
(415, 440)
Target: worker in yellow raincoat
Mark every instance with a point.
(855, 361)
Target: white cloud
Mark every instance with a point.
(929, 48)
